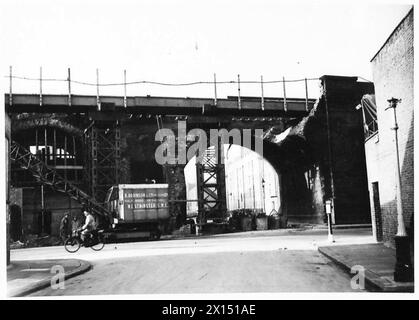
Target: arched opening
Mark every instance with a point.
(284, 181)
(251, 181)
(250, 185)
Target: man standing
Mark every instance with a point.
(64, 228)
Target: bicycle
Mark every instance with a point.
(96, 241)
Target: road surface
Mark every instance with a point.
(266, 261)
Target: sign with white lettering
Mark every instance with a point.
(148, 202)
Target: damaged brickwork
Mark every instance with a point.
(327, 146)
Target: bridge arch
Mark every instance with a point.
(292, 158)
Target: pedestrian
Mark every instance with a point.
(75, 224)
(64, 224)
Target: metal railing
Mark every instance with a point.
(282, 82)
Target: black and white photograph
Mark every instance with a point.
(181, 150)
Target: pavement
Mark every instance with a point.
(26, 277)
(377, 260)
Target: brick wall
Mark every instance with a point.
(393, 77)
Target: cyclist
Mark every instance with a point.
(88, 227)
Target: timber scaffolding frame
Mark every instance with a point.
(211, 189)
(47, 176)
(103, 157)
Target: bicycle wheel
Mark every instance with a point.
(72, 244)
(99, 245)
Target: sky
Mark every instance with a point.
(186, 41)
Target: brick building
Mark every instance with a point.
(392, 68)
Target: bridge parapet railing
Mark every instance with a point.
(247, 90)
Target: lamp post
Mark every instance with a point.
(403, 270)
(329, 208)
(263, 194)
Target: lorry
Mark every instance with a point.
(138, 210)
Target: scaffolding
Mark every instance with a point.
(211, 189)
(103, 157)
(48, 176)
(56, 148)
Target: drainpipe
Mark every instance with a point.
(330, 154)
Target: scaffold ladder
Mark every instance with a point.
(44, 174)
(211, 186)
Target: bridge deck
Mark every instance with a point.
(250, 106)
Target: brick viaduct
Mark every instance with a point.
(317, 151)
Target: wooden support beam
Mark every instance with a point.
(75, 159)
(46, 146)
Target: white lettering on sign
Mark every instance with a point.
(145, 200)
(134, 195)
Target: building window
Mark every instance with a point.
(369, 115)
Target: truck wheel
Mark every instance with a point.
(155, 235)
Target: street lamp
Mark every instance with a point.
(403, 270)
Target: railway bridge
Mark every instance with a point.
(94, 142)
